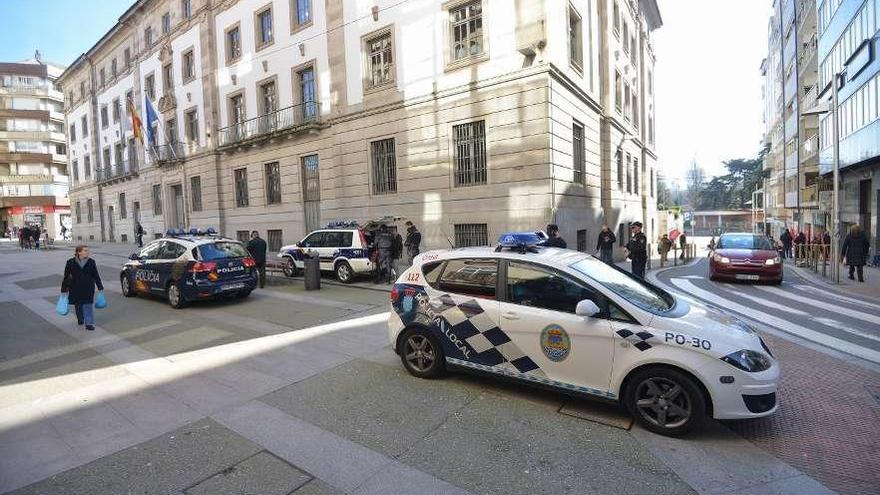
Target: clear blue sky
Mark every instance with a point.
(61, 29)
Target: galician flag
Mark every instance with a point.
(136, 126)
(152, 118)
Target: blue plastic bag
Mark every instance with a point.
(100, 300)
(62, 307)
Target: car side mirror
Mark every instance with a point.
(299, 244)
(135, 257)
(586, 308)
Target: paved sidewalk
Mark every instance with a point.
(870, 288)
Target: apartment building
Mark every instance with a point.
(33, 156)
(468, 117)
(847, 51)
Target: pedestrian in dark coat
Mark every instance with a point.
(855, 251)
(800, 242)
(553, 237)
(605, 245)
(139, 234)
(257, 249)
(637, 250)
(80, 278)
(35, 232)
(682, 244)
(785, 239)
(413, 241)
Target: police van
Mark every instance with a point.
(342, 248)
(186, 266)
(565, 320)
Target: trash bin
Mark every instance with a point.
(312, 271)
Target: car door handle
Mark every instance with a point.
(510, 316)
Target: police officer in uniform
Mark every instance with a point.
(637, 250)
(385, 245)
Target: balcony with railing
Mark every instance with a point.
(291, 119)
(810, 195)
(119, 171)
(168, 153)
(810, 147)
(808, 101)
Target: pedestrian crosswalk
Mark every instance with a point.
(836, 326)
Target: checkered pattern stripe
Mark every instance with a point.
(470, 323)
(531, 378)
(638, 340)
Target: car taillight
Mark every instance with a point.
(203, 266)
(249, 262)
(395, 294)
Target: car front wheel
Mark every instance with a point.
(125, 282)
(421, 354)
(665, 401)
(289, 267)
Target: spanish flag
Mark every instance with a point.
(136, 126)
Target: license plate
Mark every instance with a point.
(233, 286)
(740, 276)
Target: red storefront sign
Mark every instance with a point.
(23, 210)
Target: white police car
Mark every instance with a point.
(341, 248)
(189, 266)
(566, 320)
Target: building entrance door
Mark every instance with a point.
(111, 234)
(311, 181)
(177, 194)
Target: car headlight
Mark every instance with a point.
(722, 259)
(773, 261)
(746, 360)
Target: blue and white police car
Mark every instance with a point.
(187, 266)
(342, 248)
(565, 320)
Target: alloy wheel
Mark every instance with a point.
(663, 402)
(419, 352)
(173, 295)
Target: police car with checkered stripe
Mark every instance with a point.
(186, 266)
(565, 320)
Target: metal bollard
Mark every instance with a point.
(312, 271)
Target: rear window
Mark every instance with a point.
(473, 277)
(222, 249)
(432, 272)
(744, 241)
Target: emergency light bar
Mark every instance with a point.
(192, 231)
(520, 241)
(342, 224)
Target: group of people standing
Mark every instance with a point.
(29, 236)
(388, 248)
(636, 248)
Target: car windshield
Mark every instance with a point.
(744, 241)
(222, 249)
(645, 296)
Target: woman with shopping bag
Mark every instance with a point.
(80, 278)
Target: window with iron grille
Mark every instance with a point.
(84, 123)
(264, 28)
(233, 44)
(274, 239)
(273, 183)
(466, 23)
(577, 140)
(195, 191)
(380, 53)
(191, 118)
(311, 178)
(87, 166)
(471, 234)
(116, 111)
(157, 199)
(384, 166)
(105, 121)
(628, 173)
(75, 171)
(189, 65)
(582, 240)
(123, 211)
(619, 159)
(241, 187)
(89, 213)
(470, 153)
(78, 212)
(243, 235)
(575, 39)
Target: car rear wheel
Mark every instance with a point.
(175, 296)
(344, 273)
(665, 401)
(125, 282)
(421, 354)
(289, 267)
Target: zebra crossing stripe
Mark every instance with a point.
(770, 304)
(828, 293)
(824, 305)
(779, 323)
(840, 326)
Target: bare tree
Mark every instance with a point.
(696, 178)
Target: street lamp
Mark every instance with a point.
(820, 109)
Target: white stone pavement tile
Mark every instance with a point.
(343, 464)
(716, 461)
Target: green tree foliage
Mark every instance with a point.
(733, 191)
